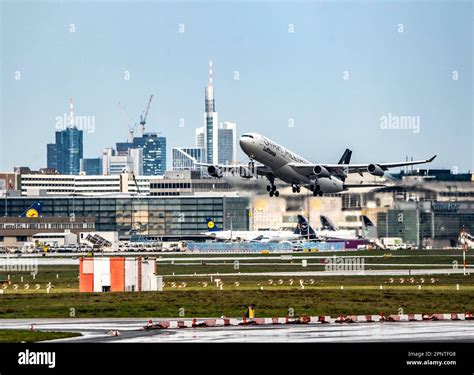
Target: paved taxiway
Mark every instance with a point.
(391, 272)
(98, 330)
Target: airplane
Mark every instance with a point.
(302, 230)
(369, 229)
(33, 211)
(277, 162)
(330, 230)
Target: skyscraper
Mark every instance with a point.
(210, 122)
(122, 147)
(52, 156)
(200, 143)
(186, 158)
(91, 166)
(65, 154)
(227, 143)
(154, 152)
(132, 162)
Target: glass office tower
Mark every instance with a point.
(154, 152)
(66, 153)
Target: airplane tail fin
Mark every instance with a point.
(368, 227)
(346, 157)
(327, 224)
(34, 210)
(304, 229)
(211, 225)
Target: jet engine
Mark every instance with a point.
(321, 171)
(214, 171)
(330, 185)
(375, 170)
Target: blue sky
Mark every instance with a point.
(284, 77)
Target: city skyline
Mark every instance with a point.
(318, 82)
(217, 143)
(221, 138)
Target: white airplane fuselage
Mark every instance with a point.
(265, 151)
(263, 236)
(337, 234)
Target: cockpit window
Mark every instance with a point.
(247, 136)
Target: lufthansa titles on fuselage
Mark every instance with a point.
(270, 146)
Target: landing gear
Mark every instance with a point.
(317, 191)
(275, 193)
(272, 191)
(295, 188)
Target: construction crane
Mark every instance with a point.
(144, 115)
(131, 128)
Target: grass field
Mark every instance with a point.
(215, 303)
(19, 336)
(198, 296)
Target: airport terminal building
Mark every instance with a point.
(430, 224)
(424, 208)
(167, 217)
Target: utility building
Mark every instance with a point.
(118, 274)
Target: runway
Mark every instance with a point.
(392, 272)
(98, 330)
(379, 269)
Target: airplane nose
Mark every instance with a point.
(244, 143)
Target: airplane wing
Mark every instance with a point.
(339, 169)
(362, 185)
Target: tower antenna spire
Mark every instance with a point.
(210, 72)
(71, 109)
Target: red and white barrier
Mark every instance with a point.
(228, 322)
